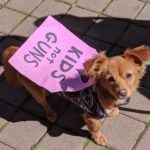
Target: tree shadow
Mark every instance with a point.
(106, 33)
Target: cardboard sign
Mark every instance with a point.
(53, 58)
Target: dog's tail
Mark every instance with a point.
(9, 72)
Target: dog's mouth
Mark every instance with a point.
(123, 101)
(122, 97)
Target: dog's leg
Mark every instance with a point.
(39, 94)
(114, 112)
(94, 128)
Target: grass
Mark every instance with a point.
(141, 135)
(111, 148)
(2, 127)
(148, 123)
(143, 132)
(33, 147)
(106, 6)
(86, 142)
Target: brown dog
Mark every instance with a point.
(115, 79)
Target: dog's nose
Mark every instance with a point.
(122, 93)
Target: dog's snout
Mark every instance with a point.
(122, 93)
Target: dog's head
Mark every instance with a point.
(119, 75)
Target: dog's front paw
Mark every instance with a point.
(52, 117)
(99, 139)
(114, 112)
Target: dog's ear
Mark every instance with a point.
(94, 66)
(139, 55)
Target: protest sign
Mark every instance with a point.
(53, 58)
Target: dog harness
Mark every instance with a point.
(88, 101)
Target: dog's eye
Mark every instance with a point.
(129, 75)
(111, 79)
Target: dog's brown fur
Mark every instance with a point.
(112, 76)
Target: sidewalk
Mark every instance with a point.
(103, 24)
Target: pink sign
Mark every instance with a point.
(53, 58)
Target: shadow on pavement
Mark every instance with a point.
(135, 110)
(105, 29)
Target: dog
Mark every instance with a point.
(115, 79)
